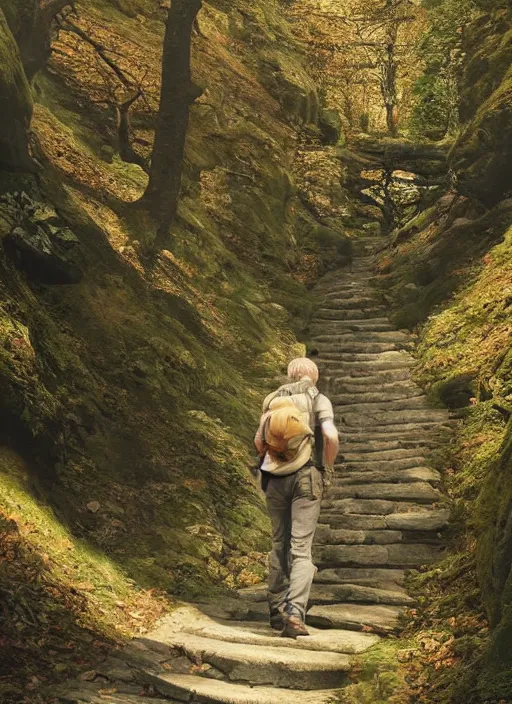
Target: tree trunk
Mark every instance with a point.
(31, 22)
(177, 94)
(388, 87)
(389, 69)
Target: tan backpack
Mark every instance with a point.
(286, 429)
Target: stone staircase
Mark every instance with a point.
(383, 515)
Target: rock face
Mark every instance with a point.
(14, 93)
(287, 80)
(482, 155)
(39, 242)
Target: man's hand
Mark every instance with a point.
(328, 475)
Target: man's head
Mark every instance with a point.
(301, 367)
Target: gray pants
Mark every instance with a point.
(293, 503)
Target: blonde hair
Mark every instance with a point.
(301, 367)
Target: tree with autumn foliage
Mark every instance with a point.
(364, 52)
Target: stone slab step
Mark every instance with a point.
(383, 507)
(367, 463)
(400, 476)
(350, 302)
(355, 394)
(260, 664)
(395, 555)
(378, 577)
(369, 448)
(84, 694)
(364, 377)
(190, 619)
(416, 407)
(432, 520)
(340, 534)
(419, 521)
(421, 492)
(364, 325)
(364, 368)
(374, 457)
(407, 431)
(326, 535)
(350, 314)
(190, 688)
(359, 347)
(358, 594)
(399, 357)
(377, 618)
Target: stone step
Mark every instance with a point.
(261, 665)
(350, 314)
(377, 447)
(382, 507)
(335, 535)
(408, 431)
(383, 394)
(368, 384)
(405, 411)
(368, 368)
(422, 520)
(91, 693)
(401, 476)
(353, 438)
(368, 464)
(379, 456)
(358, 594)
(362, 347)
(325, 535)
(363, 377)
(190, 688)
(364, 325)
(191, 620)
(422, 492)
(351, 302)
(400, 555)
(342, 289)
(377, 577)
(358, 617)
(397, 357)
(362, 336)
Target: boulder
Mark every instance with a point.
(38, 242)
(15, 94)
(330, 126)
(480, 159)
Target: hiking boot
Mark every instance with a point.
(276, 619)
(294, 627)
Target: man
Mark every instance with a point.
(293, 482)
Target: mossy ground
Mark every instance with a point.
(64, 602)
(130, 400)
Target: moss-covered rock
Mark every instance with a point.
(481, 156)
(17, 101)
(330, 125)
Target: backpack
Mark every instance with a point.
(289, 423)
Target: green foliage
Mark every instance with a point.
(436, 92)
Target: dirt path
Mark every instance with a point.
(382, 516)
